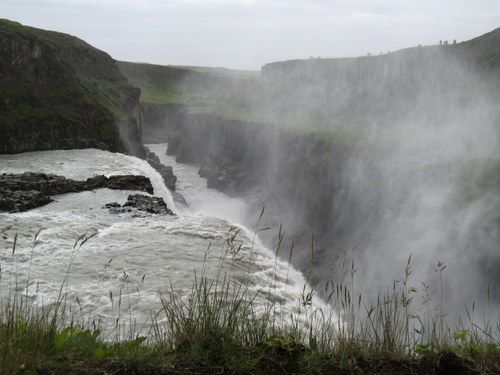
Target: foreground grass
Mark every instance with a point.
(212, 336)
(217, 330)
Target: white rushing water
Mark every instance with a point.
(121, 271)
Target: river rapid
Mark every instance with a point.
(131, 259)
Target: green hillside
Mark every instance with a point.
(199, 88)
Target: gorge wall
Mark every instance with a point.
(344, 199)
(294, 176)
(385, 157)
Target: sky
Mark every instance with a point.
(246, 34)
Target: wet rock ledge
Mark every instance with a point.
(166, 172)
(22, 192)
(140, 202)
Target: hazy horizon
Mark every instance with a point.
(246, 34)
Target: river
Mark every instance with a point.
(131, 259)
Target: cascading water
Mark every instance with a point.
(132, 258)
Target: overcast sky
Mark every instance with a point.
(246, 34)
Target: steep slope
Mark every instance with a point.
(58, 92)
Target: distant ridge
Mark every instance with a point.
(484, 49)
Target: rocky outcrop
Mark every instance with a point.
(22, 200)
(168, 176)
(166, 172)
(139, 202)
(125, 182)
(58, 92)
(21, 192)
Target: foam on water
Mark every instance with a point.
(133, 258)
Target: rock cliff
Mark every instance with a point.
(58, 92)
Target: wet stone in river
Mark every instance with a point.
(140, 202)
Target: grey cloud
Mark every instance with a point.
(249, 33)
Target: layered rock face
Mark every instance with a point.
(58, 92)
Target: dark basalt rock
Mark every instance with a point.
(179, 198)
(21, 192)
(112, 205)
(165, 171)
(22, 200)
(129, 182)
(140, 202)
